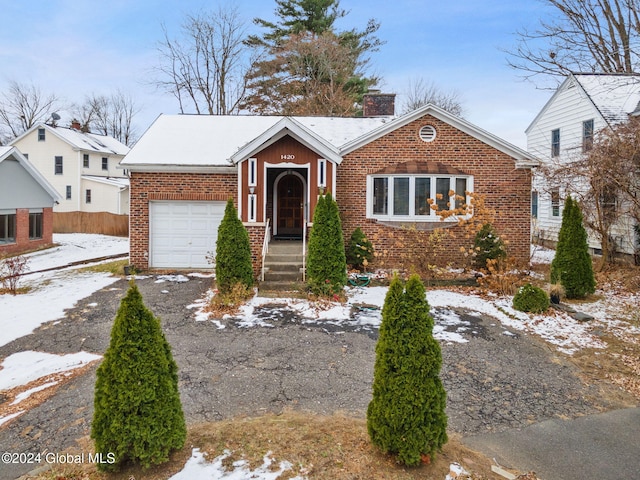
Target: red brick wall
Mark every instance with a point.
(147, 186)
(23, 243)
(507, 189)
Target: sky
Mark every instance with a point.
(74, 48)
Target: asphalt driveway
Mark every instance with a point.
(494, 382)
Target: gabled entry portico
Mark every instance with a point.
(280, 175)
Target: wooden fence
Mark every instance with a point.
(90, 222)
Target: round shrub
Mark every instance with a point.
(530, 298)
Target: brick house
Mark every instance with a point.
(26, 204)
(381, 169)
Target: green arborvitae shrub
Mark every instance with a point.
(326, 260)
(530, 298)
(233, 252)
(406, 416)
(488, 246)
(572, 266)
(137, 415)
(360, 251)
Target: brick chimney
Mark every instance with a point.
(376, 104)
(75, 124)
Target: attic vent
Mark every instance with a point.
(427, 133)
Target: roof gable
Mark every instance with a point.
(615, 96)
(14, 153)
(522, 158)
(612, 96)
(288, 126)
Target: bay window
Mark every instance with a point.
(410, 197)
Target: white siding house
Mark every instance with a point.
(582, 106)
(80, 166)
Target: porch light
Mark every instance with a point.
(252, 190)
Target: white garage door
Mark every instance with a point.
(183, 233)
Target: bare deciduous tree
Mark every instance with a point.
(421, 92)
(109, 115)
(205, 69)
(22, 106)
(599, 36)
(606, 181)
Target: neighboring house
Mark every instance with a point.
(26, 204)
(565, 129)
(381, 169)
(82, 167)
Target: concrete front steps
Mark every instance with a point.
(283, 267)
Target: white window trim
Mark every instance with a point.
(322, 172)
(433, 216)
(252, 210)
(252, 173)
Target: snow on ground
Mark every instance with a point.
(57, 290)
(542, 255)
(50, 295)
(362, 311)
(75, 247)
(25, 367)
(197, 468)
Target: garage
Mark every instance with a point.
(182, 234)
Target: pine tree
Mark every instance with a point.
(572, 266)
(137, 411)
(360, 251)
(326, 261)
(406, 416)
(326, 79)
(233, 252)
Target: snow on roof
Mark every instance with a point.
(113, 181)
(211, 140)
(615, 96)
(91, 141)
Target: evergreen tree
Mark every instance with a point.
(488, 246)
(294, 80)
(233, 252)
(137, 412)
(572, 266)
(406, 416)
(360, 250)
(326, 260)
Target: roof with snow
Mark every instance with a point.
(79, 140)
(203, 141)
(615, 96)
(216, 140)
(113, 181)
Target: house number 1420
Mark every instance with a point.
(288, 156)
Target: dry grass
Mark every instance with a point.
(319, 447)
